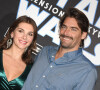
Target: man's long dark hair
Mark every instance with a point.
(81, 19)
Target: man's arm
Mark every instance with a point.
(87, 82)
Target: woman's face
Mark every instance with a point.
(23, 35)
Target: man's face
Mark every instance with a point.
(70, 34)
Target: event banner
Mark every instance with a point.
(47, 14)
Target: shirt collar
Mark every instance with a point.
(69, 56)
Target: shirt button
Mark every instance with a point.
(52, 56)
(36, 86)
(44, 76)
(51, 66)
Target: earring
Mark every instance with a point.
(9, 42)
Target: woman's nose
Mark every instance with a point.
(24, 36)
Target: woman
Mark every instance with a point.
(15, 53)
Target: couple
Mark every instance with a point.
(56, 68)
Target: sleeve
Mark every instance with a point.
(87, 82)
(28, 85)
(97, 86)
(41, 51)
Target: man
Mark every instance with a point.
(97, 85)
(64, 67)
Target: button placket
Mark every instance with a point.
(44, 75)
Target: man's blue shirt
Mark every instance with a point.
(73, 71)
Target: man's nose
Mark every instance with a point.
(67, 31)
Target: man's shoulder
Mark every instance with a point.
(87, 62)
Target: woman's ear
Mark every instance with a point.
(12, 34)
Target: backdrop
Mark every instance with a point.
(47, 14)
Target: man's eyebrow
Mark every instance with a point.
(20, 28)
(63, 25)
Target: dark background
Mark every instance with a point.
(8, 13)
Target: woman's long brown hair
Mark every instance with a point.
(26, 57)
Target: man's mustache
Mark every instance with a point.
(64, 36)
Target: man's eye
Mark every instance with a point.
(74, 29)
(63, 27)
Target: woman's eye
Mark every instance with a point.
(31, 34)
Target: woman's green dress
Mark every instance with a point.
(15, 84)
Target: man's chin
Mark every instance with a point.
(64, 46)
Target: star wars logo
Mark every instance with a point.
(47, 14)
